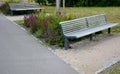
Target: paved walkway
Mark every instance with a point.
(20, 53)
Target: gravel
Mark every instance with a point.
(89, 56)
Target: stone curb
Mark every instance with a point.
(108, 65)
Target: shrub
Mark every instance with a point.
(46, 27)
(43, 23)
(50, 29)
(38, 33)
(5, 8)
(56, 40)
(31, 22)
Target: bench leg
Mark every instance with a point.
(91, 37)
(109, 30)
(66, 43)
(11, 12)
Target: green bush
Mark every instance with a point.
(46, 27)
(31, 22)
(38, 33)
(5, 8)
(49, 26)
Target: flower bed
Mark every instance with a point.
(46, 27)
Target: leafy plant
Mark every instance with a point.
(38, 33)
(31, 22)
(50, 29)
(46, 27)
(20, 22)
(5, 8)
(43, 23)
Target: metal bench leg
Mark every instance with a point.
(66, 43)
(91, 37)
(109, 30)
(11, 12)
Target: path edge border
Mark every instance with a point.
(108, 65)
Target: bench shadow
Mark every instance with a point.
(85, 43)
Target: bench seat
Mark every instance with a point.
(24, 7)
(88, 31)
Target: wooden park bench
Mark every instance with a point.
(84, 26)
(24, 7)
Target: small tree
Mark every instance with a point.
(64, 7)
(58, 7)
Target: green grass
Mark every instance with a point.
(114, 69)
(20, 22)
(113, 13)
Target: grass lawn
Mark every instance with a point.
(114, 69)
(113, 13)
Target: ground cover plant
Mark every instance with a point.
(46, 27)
(5, 8)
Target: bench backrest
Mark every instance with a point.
(73, 25)
(32, 5)
(83, 23)
(97, 20)
(14, 6)
(23, 5)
